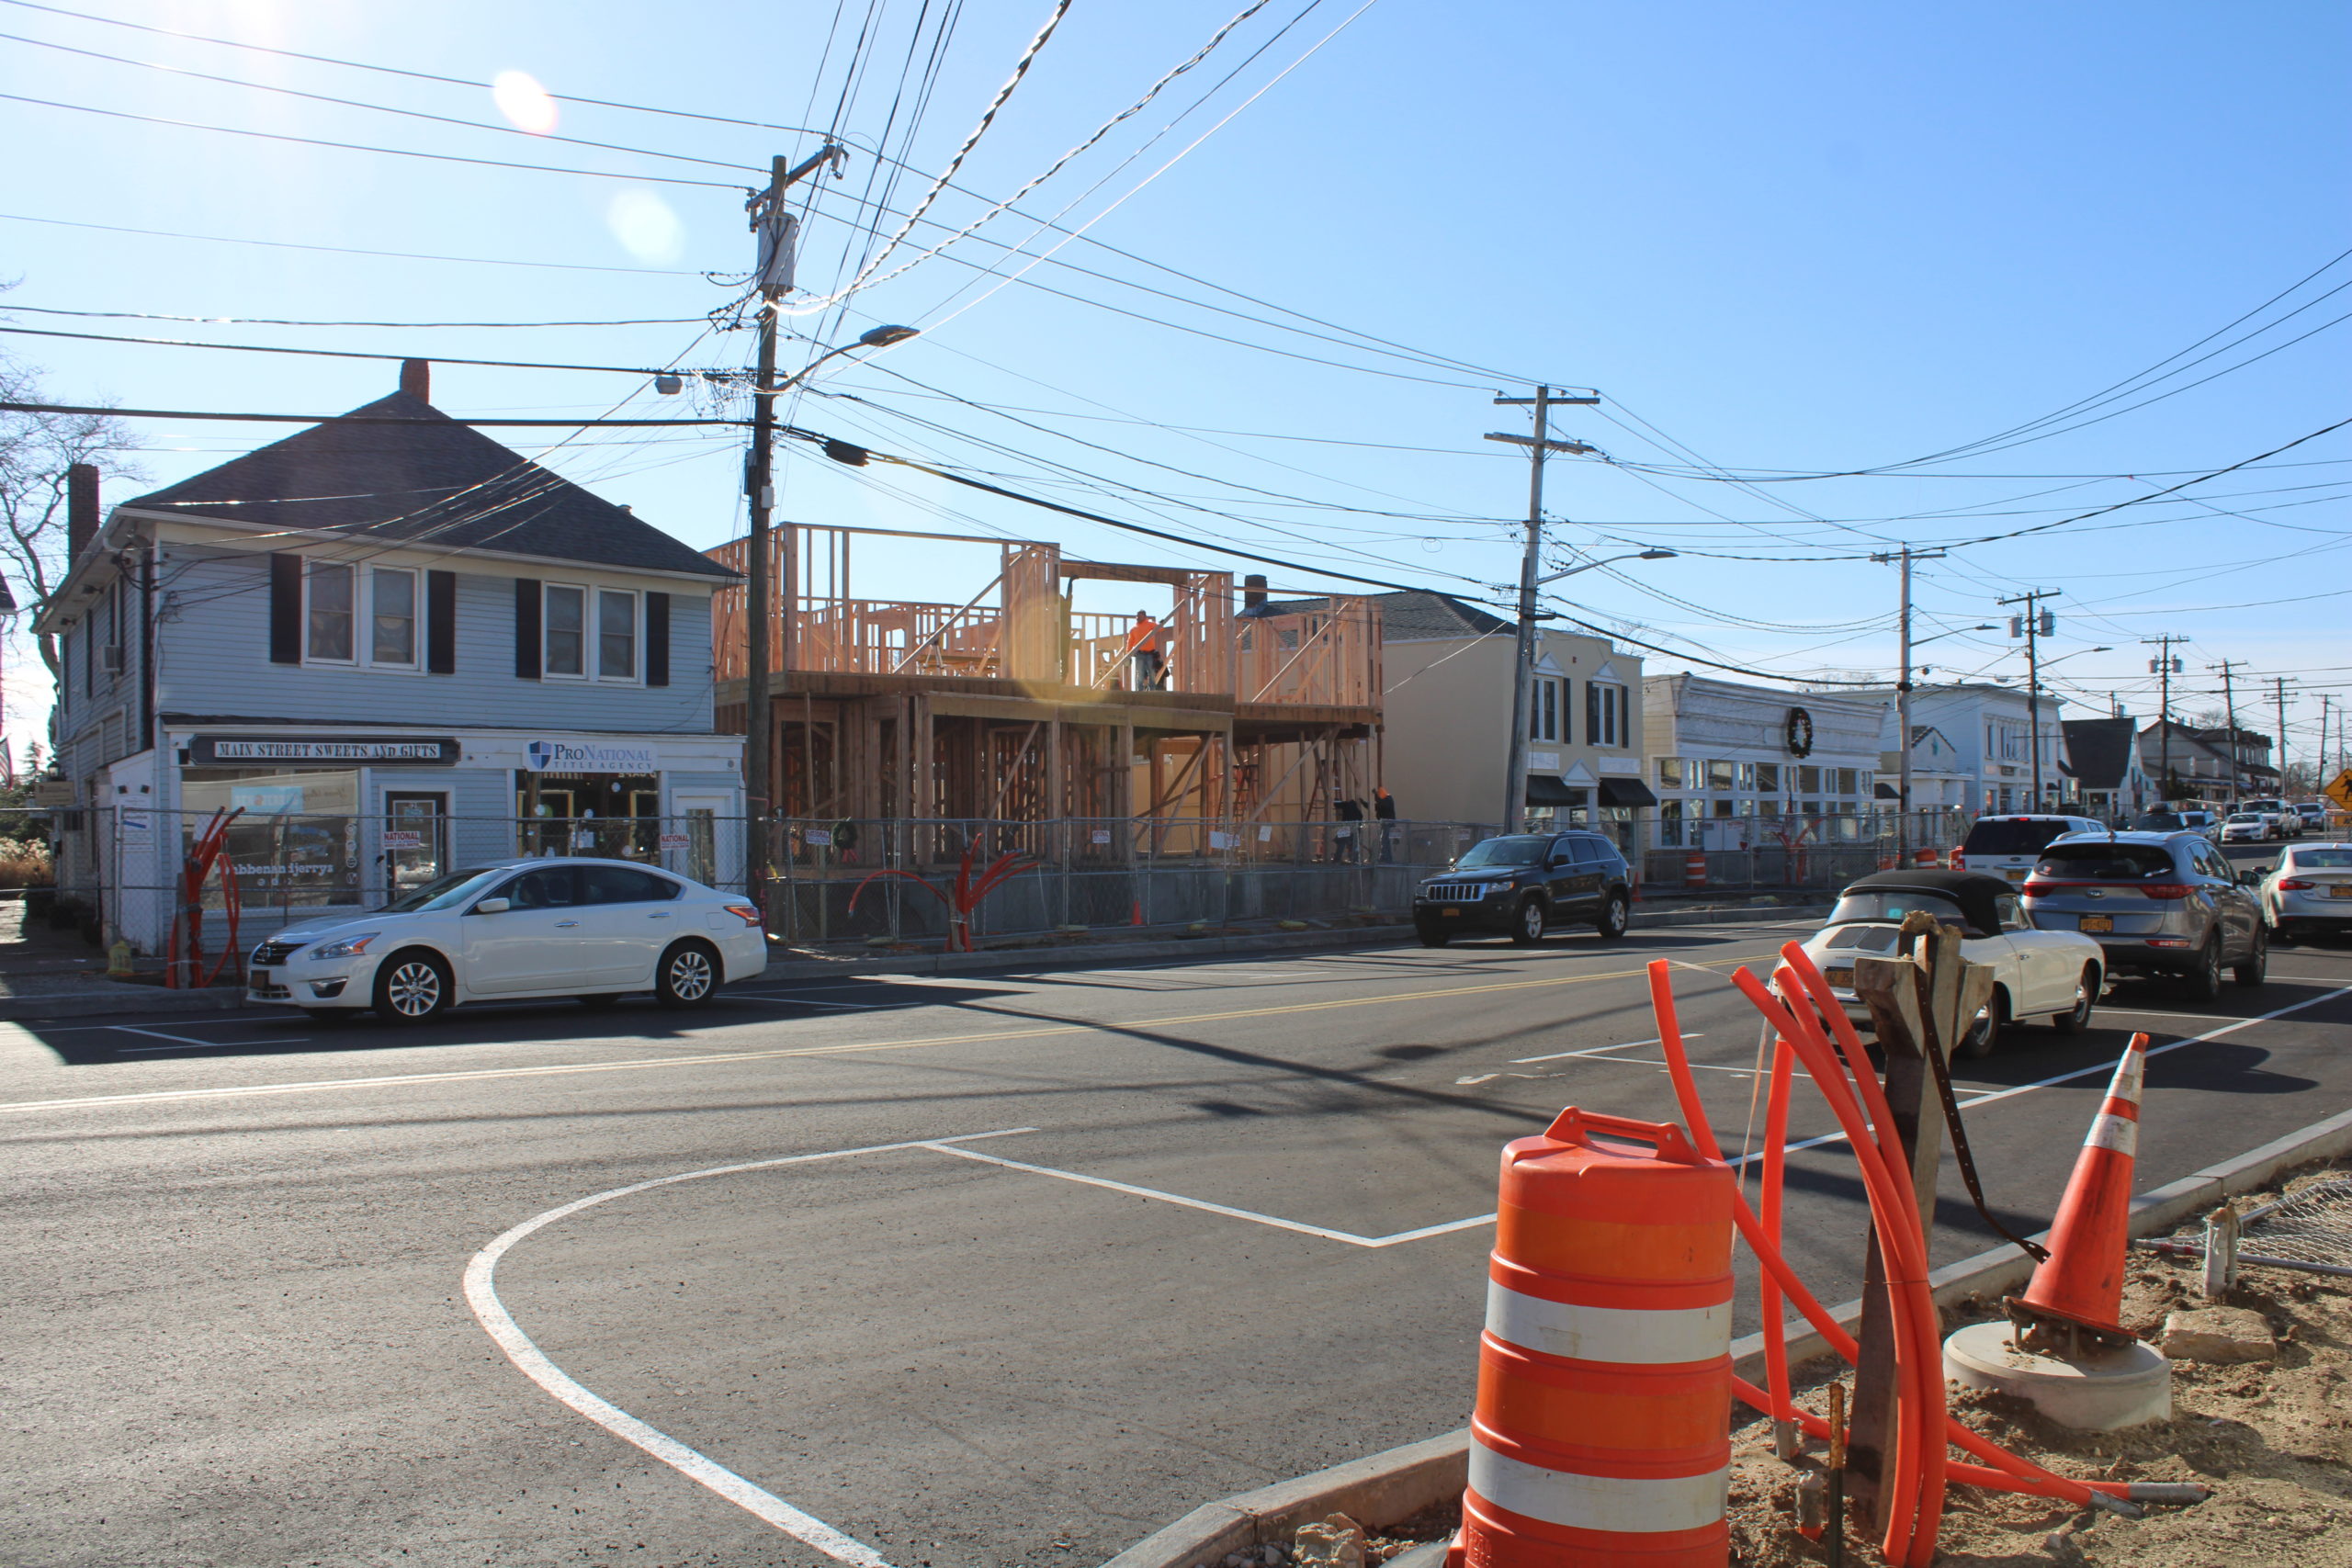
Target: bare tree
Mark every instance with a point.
(36, 451)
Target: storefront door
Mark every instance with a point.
(416, 839)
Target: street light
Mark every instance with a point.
(1524, 681)
(758, 710)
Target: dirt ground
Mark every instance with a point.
(2273, 1440)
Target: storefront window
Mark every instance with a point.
(1809, 781)
(295, 841)
(614, 815)
(1846, 781)
(1767, 777)
(1669, 773)
(1670, 824)
(1747, 775)
(1719, 775)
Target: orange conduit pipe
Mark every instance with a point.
(1776, 1137)
(2029, 1475)
(1911, 1498)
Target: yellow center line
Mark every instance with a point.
(642, 1064)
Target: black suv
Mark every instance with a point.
(1520, 883)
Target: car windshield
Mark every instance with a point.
(1893, 904)
(2320, 860)
(441, 892)
(2160, 821)
(1515, 849)
(2100, 862)
(2247, 820)
(2012, 835)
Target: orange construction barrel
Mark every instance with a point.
(1694, 869)
(1602, 1437)
(1924, 859)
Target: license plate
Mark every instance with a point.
(2015, 873)
(1450, 910)
(2340, 890)
(1840, 976)
(2095, 923)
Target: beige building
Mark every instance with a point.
(1447, 669)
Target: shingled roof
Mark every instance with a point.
(1406, 617)
(2100, 750)
(431, 481)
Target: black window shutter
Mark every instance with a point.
(285, 609)
(657, 639)
(441, 623)
(1593, 725)
(526, 628)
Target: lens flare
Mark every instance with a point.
(523, 102)
(645, 226)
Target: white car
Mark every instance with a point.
(2007, 845)
(2056, 975)
(522, 928)
(2309, 891)
(2249, 828)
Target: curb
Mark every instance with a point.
(1371, 1489)
(115, 997)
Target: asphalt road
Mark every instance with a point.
(1025, 1266)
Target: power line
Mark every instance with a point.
(369, 147)
(100, 409)
(323, 353)
(7, 307)
(342, 250)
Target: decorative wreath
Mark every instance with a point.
(1800, 733)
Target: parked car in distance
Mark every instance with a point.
(2249, 828)
(2055, 974)
(2313, 814)
(522, 928)
(2007, 846)
(1522, 884)
(2158, 903)
(2309, 892)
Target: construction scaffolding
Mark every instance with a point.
(1008, 703)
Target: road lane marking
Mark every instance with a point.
(1158, 1195)
(1596, 1050)
(482, 1295)
(645, 1064)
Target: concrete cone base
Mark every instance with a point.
(2114, 1389)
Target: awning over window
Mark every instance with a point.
(1625, 791)
(1544, 789)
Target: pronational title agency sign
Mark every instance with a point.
(271, 751)
(590, 757)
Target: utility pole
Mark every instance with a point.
(2165, 664)
(2228, 667)
(778, 232)
(2278, 690)
(1907, 555)
(1539, 446)
(2038, 622)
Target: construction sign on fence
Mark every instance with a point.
(2340, 791)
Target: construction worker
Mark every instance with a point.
(1384, 812)
(1150, 670)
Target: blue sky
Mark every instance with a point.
(1781, 240)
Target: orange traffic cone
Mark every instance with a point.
(1134, 916)
(2078, 1290)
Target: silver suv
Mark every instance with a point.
(2157, 903)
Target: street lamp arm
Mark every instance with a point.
(1587, 565)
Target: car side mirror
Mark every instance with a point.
(491, 906)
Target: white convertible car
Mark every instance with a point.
(2036, 974)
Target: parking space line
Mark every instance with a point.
(188, 1043)
(1274, 1221)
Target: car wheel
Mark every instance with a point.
(2204, 982)
(1432, 936)
(2078, 1018)
(1614, 917)
(1985, 1035)
(1527, 922)
(412, 987)
(2258, 963)
(688, 975)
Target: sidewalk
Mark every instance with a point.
(47, 973)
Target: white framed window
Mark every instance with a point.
(1543, 712)
(1606, 721)
(616, 638)
(564, 632)
(392, 617)
(328, 613)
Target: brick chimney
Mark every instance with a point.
(1253, 594)
(416, 379)
(81, 509)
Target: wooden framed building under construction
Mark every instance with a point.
(1009, 705)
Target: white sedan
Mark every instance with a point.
(2036, 974)
(2309, 891)
(522, 929)
(2249, 828)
